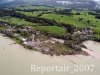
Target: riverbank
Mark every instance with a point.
(93, 49)
(16, 60)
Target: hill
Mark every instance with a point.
(80, 4)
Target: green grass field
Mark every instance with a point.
(74, 20)
(86, 20)
(34, 7)
(53, 30)
(2, 28)
(16, 21)
(33, 14)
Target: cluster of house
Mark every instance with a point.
(4, 24)
(32, 41)
(15, 32)
(86, 33)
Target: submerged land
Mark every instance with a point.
(16, 60)
(51, 30)
(46, 36)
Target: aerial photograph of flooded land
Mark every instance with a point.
(49, 37)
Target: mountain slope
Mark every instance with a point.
(66, 3)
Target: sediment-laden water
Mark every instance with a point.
(16, 60)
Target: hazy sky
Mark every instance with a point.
(62, 0)
(44, 0)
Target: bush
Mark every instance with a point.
(97, 37)
(97, 16)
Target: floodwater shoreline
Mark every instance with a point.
(47, 50)
(16, 60)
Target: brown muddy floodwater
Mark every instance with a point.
(16, 60)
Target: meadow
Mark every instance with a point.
(74, 19)
(81, 20)
(33, 14)
(14, 20)
(52, 30)
(34, 7)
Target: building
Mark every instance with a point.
(86, 33)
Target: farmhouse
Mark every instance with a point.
(32, 41)
(86, 33)
(8, 31)
(3, 24)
